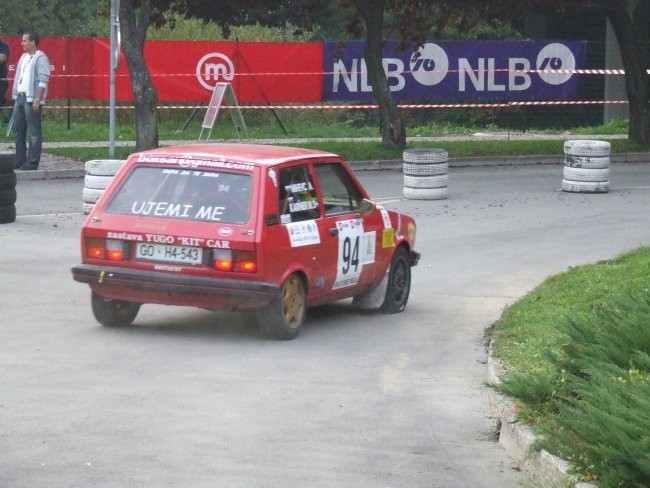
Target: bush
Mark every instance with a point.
(576, 351)
(597, 405)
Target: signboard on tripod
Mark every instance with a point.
(221, 91)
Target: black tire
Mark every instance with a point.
(282, 319)
(113, 313)
(8, 181)
(7, 214)
(399, 283)
(7, 197)
(7, 162)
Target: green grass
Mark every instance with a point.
(266, 127)
(575, 352)
(374, 151)
(331, 125)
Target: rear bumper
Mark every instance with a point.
(173, 289)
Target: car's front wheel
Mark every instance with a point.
(113, 313)
(283, 317)
(399, 283)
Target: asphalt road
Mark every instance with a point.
(189, 398)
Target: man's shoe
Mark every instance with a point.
(28, 167)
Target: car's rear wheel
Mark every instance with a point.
(113, 313)
(399, 283)
(282, 319)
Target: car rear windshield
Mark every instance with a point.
(184, 194)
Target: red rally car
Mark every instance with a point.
(242, 226)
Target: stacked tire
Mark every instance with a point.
(7, 187)
(586, 166)
(99, 173)
(426, 174)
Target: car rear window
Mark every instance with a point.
(184, 194)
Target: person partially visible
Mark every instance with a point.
(30, 93)
(4, 84)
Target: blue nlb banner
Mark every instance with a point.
(458, 71)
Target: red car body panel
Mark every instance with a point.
(340, 253)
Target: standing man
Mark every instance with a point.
(30, 93)
(4, 84)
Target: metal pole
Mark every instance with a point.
(115, 56)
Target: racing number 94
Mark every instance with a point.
(350, 254)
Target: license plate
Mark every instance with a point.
(169, 254)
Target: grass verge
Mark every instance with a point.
(351, 150)
(374, 151)
(575, 352)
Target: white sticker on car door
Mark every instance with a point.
(386, 218)
(303, 233)
(356, 248)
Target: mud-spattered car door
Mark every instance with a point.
(350, 238)
(300, 226)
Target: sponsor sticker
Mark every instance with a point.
(303, 233)
(388, 238)
(356, 248)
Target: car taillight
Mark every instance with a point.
(222, 260)
(236, 261)
(95, 248)
(107, 249)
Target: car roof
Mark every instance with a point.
(262, 154)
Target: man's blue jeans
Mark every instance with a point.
(26, 120)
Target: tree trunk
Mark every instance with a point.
(393, 132)
(145, 96)
(636, 77)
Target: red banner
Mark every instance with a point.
(71, 61)
(185, 71)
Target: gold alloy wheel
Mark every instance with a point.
(293, 301)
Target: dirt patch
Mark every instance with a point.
(54, 162)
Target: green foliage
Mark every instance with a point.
(98, 26)
(286, 33)
(90, 18)
(179, 27)
(483, 29)
(603, 407)
(51, 18)
(577, 351)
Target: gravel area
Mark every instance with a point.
(49, 161)
(53, 162)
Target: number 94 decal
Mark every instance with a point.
(356, 248)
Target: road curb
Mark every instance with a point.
(49, 174)
(517, 438)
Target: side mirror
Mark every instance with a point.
(367, 207)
